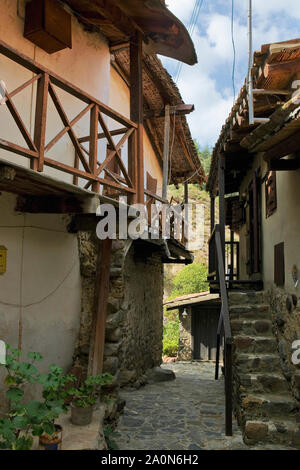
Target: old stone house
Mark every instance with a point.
(83, 119)
(255, 173)
(198, 322)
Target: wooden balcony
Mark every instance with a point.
(87, 171)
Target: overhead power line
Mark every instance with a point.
(234, 49)
(191, 29)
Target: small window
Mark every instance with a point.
(271, 196)
(279, 265)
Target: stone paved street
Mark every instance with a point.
(184, 414)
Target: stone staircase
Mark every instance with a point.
(264, 405)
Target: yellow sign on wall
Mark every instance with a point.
(3, 258)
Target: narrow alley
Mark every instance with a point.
(184, 414)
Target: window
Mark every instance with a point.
(271, 196)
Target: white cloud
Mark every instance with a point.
(208, 84)
(211, 106)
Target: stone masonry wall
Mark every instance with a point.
(286, 327)
(143, 318)
(185, 349)
(133, 337)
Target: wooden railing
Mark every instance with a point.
(224, 329)
(232, 255)
(231, 264)
(86, 161)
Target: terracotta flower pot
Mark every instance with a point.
(54, 442)
(81, 416)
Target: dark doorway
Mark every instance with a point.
(254, 226)
(204, 331)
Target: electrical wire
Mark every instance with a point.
(234, 49)
(191, 29)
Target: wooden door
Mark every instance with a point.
(204, 332)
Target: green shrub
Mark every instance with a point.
(171, 339)
(192, 279)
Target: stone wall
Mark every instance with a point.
(133, 337)
(143, 317)
(185, 349)
(286, 327)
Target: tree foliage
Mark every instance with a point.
(204, 154)
(192, 279)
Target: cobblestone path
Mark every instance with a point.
(184, 414)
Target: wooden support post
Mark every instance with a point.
(255, 225)
(93, 153)
(101, 297)
(137, 111)
(212, 213)
(186, 213)
(221, 175)
(166, 152)
(132, 164)
(231, 255)
(40, 121)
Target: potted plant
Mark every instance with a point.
(55, 394)
(85, 397)
(35, 418)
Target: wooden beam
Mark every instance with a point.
(100, 311)
(284, 148)
(166, 152)
(212, 213)
(49, 205)
(284, 165)
(40, 121)
(136, 111)
(93, 147)
(180, 109)
(221, 178)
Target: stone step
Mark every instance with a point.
(255, 312)
(267, 405)
(280, 431)
(254, 344)
(252, 327)
(262, 383)
(248, 297)
(256, 363)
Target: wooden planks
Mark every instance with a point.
(100, 311)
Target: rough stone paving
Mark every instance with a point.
(184, 414)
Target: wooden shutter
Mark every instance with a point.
(279, 265)
(271, 194)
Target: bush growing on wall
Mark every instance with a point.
(192, 279)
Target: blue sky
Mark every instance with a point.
(208, 84)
